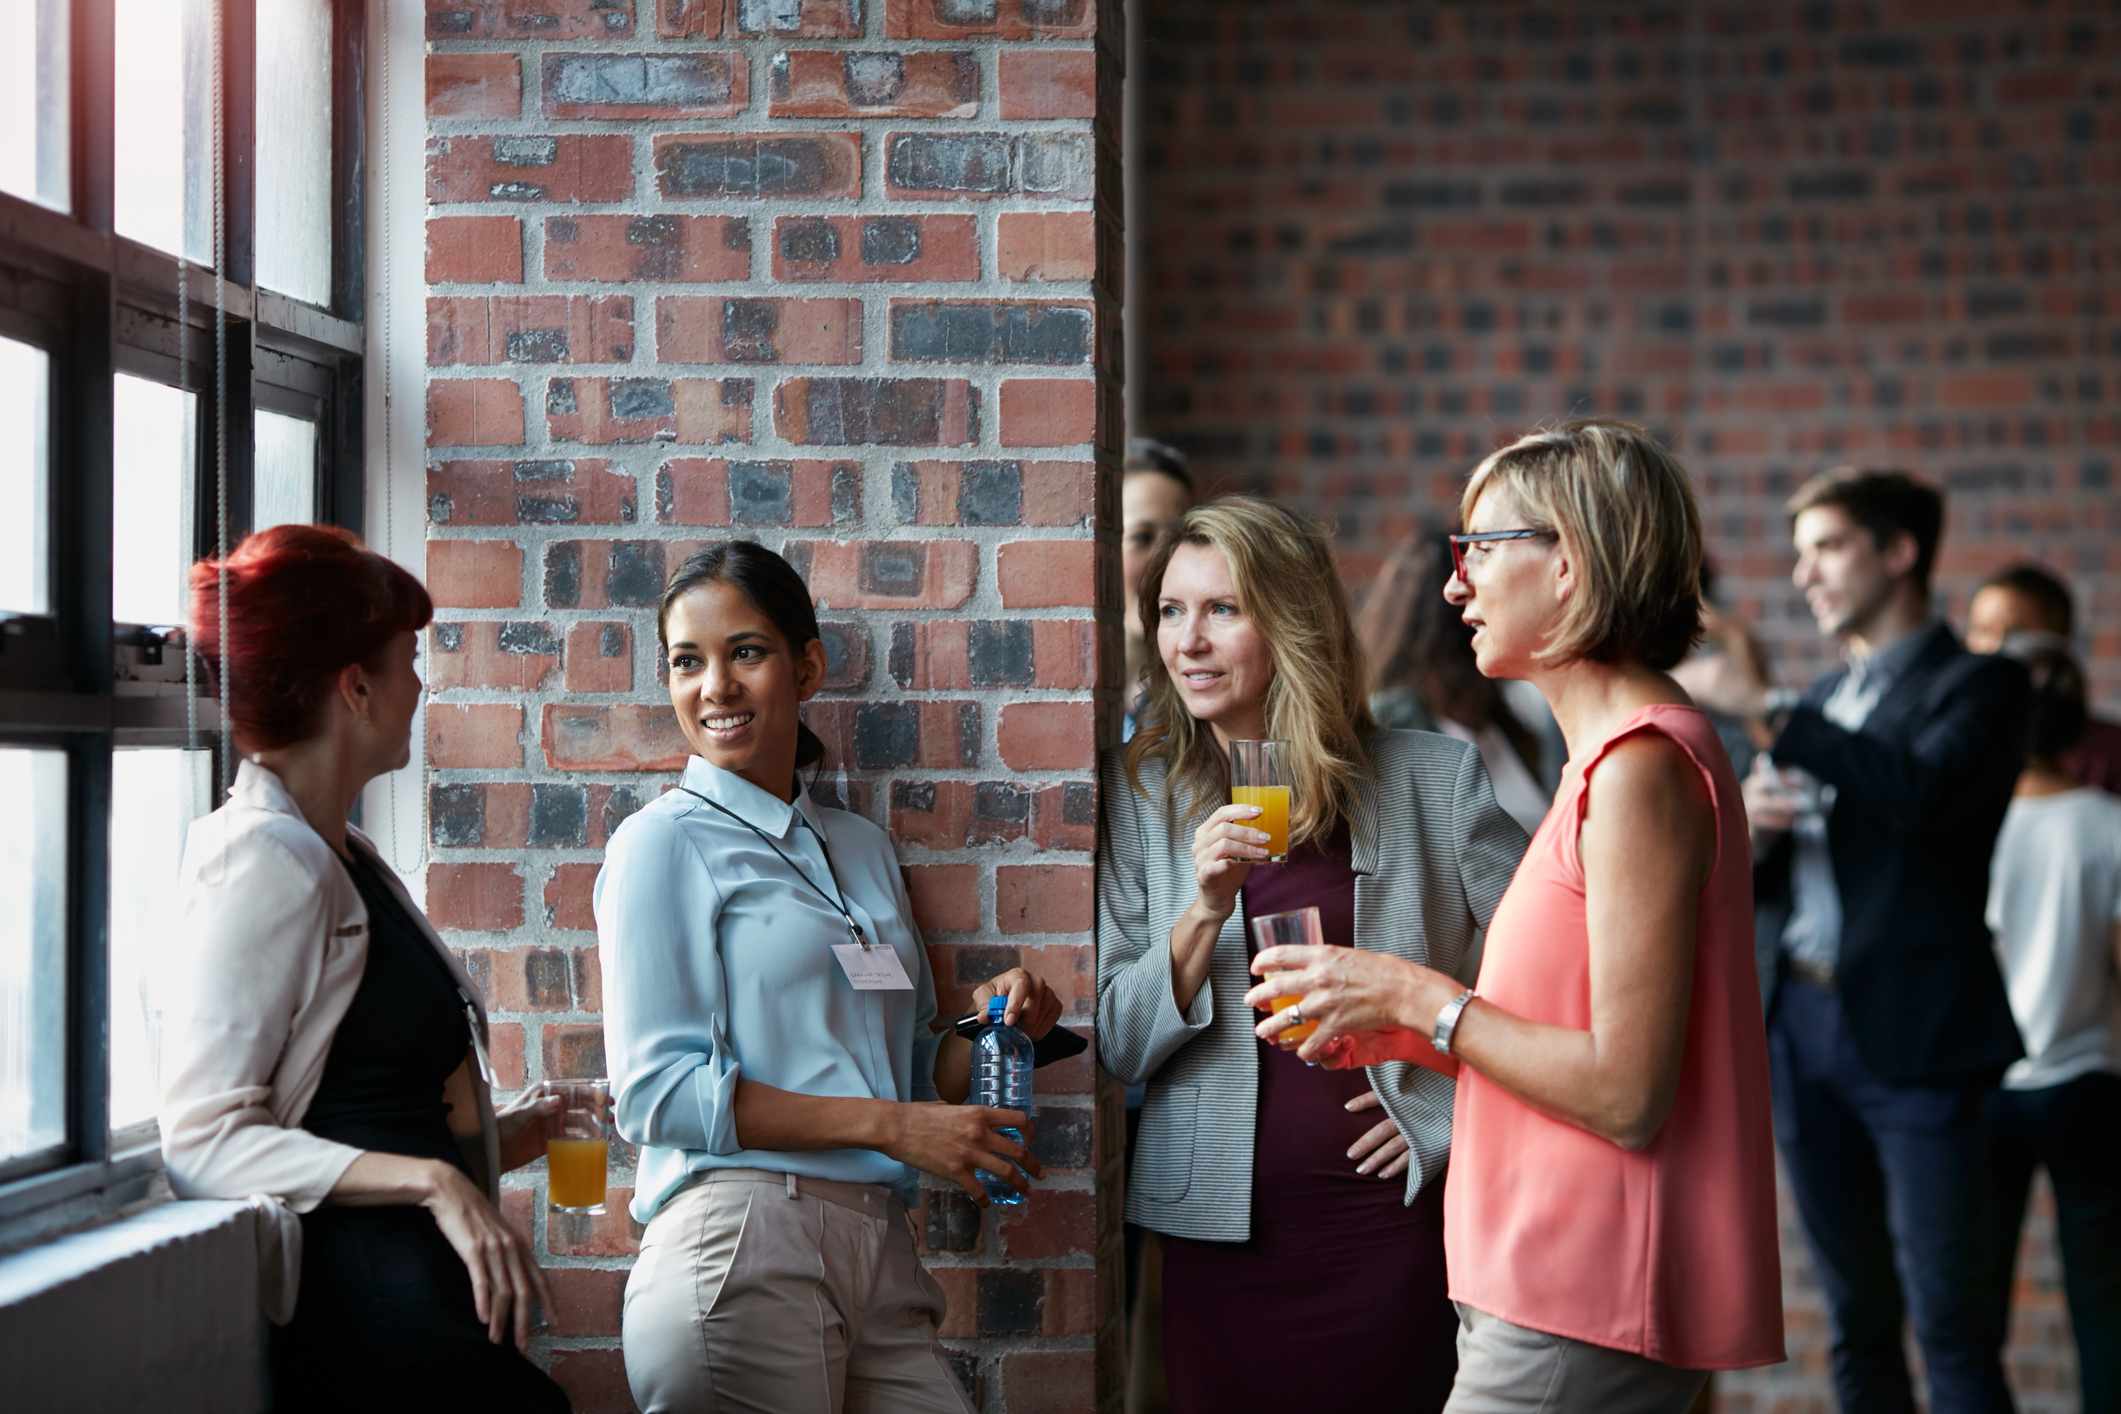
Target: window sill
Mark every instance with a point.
(43, 1204)
(154, 1309)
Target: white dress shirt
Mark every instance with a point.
(718, 963)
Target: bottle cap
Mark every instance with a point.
(996, 1006)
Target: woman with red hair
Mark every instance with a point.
(323, 1052)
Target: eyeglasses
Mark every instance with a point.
(1459, 543)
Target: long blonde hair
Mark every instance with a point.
(1282, 566)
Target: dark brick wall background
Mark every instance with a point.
(1384, 237)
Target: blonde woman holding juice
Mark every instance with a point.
(1287, 1201)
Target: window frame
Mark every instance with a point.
(99, 304)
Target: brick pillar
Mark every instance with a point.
(841, 277)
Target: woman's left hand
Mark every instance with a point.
(1382, 1150)
(1347, 992)
(525, 1123)
(1033, 1007)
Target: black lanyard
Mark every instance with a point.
(854, 929)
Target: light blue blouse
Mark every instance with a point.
(718, 962)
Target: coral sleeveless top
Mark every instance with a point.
(1670, 1252)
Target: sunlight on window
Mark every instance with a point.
(285, 475)
(25, 477)
(294, 149)
(154, 797)
(151, 478)
(163, 152)
(32, 950)
(33, 100)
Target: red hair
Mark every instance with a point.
(304, 602)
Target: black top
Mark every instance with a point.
(1920, 790)
(401, 1038)
(385, 1317)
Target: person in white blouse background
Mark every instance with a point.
(2054, 906)
(769, 1024)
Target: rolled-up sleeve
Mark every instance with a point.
(666, 1006)
(253, 919)
(927, 1041)
(1139, 1024)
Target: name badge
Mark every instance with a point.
(875, 969)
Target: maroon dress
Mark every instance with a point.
(1338, 1297)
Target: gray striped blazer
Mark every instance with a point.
(1432, 854)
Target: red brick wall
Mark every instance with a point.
(1383, 237)
(834, 275)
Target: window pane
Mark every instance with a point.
(152, 482)
(32, 950)
(25, 477)
(33, 100)
(154, 797)
(294, 148)
(164, 150)
(285, 489)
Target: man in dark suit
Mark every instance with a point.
(1873, 818)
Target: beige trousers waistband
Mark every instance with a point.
(870, 1199)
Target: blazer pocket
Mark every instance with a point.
(1163, 1170)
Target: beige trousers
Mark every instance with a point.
(765, 1293)
(1508, 1369)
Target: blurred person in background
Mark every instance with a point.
(2054, 901)
(1155, 491)
(2026, 598)
(1424, 676)
(1728, 664)
(1874, 816)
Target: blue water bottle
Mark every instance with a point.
(1001, 1078)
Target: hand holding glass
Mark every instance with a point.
(1259, 775)
(1301, 928)
(578, 1156)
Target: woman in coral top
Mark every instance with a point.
(1609, 1220)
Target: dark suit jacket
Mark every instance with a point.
(1920, 793)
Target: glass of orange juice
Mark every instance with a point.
(1302, 927)
(578, 1156)
(1259, 775)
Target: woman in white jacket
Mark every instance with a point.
(321, 1047)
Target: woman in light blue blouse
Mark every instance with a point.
(769, 1025)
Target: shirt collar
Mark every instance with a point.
(1886, 664)
(760, 809)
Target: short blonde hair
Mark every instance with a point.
(1624, 512)
(1282, 567)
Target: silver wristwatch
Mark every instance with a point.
(1447, 1021)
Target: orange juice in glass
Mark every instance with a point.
(578, 1157)
(1259, 775)
(1301, 928)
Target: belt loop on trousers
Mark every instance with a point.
(792, 1191)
